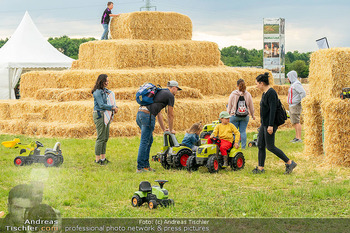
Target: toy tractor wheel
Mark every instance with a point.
(164, 162)
(213, 164)
(250, 144)
(238, 162)
(171, 202)
(181, 158)
(61, 160)
(19, 161)
(136, 201)
(192, 164)
(50, 161)
(152, 204)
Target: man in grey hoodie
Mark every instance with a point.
(296, 93)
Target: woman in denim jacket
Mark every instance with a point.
(100, 93)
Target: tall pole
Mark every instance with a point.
(148, 6)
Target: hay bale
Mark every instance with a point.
(151, 25)
(329, 72)
(336, 117)
(75, 95)
(120, 54)
(208, 80)
(281, 89)
(312, 126)
(35, 80)
(250, 75)
(49, 93)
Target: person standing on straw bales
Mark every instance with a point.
(145, 119)
(267, 132)
(296, 93)
(240, 105)
(105, 20)
(100, 93)
(191, 138)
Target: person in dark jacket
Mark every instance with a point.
(268, 128)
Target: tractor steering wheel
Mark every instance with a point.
(216, 140)
(39, 144)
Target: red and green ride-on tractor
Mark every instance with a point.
(210, 156)
(173, 154)
(207, 131)
(30, 153)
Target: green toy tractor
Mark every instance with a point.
(207, 131)
(30, 153)
(173, 154)
(154, 196)
(209, 155)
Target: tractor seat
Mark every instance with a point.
(145, 186)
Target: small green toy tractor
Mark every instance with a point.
(154, 196)
(30, 153)
(207, 131)
(173, 154)
(209, 155)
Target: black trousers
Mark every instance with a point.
(266, 140)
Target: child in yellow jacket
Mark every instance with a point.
(225, 131)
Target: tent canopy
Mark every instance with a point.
(26, 48)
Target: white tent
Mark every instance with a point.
(26, 48)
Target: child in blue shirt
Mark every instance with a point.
(192, 136)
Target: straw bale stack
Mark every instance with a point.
(250, 74)
(280, 89)
(65, 94)
(312, 126)
(208, 80)
(151, 25)
(329, 72)
(336, 131)
(121, 54)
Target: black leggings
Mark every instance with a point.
(266, 140)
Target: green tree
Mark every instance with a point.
(2, 42)
(300, 67)
(239, 56)
(68, 46)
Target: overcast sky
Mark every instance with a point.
(226, 22)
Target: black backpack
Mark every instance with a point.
(241, 109)
(281, 114)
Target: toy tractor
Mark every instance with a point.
(207, 131)
(154, 196)
(30, 153)
(173, 154)
(209, 155)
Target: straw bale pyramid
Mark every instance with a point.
(146, 47)
(324, 111)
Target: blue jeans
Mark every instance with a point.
(147, 126)
(241, 124)
(105, 32)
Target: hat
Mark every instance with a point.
(173, 83)
(224, 114)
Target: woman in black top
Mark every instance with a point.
(268, 128)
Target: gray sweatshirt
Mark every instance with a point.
(296, 91)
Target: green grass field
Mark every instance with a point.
(80, 188)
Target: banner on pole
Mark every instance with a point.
(274, 47)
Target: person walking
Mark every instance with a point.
(296, 93)
(240, 105)
(101, 93)
(105, 20)
(268, 128)
(145, 119)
